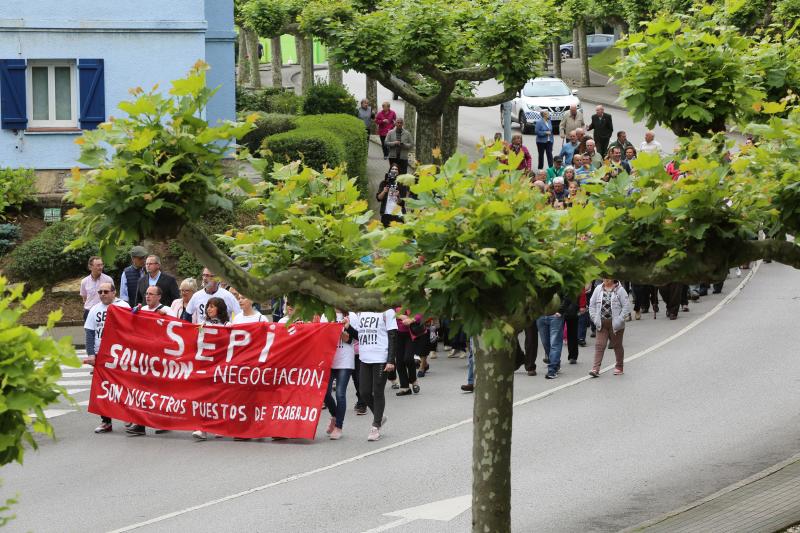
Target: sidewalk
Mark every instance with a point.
(600, 92)
(764, 503)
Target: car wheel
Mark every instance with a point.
(565, 54)
(523, 125)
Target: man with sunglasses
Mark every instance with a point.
(93, 327)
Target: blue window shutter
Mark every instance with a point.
(13, 110)
(93, 93)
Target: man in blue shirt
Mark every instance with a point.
(569, 148)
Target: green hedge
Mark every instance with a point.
(267, 124)
(17, 186)
(322, 140)
(42, 260)
(268, 100)
(324, 98)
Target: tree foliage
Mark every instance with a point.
(154, 169)
(30, 367)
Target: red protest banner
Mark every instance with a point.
(249, 380)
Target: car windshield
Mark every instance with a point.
(546, 88)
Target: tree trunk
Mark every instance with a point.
(585, 79)
(277, 62)
(491, 438)
(372, 93)
(255, 61)
(449, 131)
(410, 117)
(576, 50)
(335, 74)
(243, 74)
(429, 135)
(308, 63)
(545, 59)
(557, 57)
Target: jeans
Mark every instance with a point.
(583, 325)
(372, 383)
(337, 407)
(471, 362)
(551, 332)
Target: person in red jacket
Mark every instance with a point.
(385, 119)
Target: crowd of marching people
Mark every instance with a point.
(395, 348)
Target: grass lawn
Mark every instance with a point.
(603, 61)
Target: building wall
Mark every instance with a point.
(142, 43)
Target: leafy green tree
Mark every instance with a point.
(479, 242)
(432, 52)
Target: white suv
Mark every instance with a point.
(550, 94)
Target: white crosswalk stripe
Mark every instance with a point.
(76, 381)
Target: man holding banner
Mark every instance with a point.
(93, 328)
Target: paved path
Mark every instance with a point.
(688, 418)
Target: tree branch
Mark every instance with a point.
(400, 87)
(473, 73)
(276, 285)
(484, 101)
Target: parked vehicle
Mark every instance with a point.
(550, 94)
(595, 43)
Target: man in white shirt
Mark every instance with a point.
(650, 144)
(152, 298)
(91, 283)
(93, 327)
(210, 290)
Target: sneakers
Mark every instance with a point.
(415, 388)
(685, 308)
(336, 434)
(433, 355)
(582, 343)
(638, 315)
(531, 372)
(395, 386)
(200, 435)
(331, 425)
(618, 372)
(469, 387)
(452, 354)
(361, 409)
(551, 375)
(573, 361)
(374, 434)
(421, 374)
(103, 428)
(404, 392)
(594, 374)
(462, 354)
(135, 430)
(546, 360)
(593, 334)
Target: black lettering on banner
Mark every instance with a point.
(202, 311)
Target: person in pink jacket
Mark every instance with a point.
(385, 120)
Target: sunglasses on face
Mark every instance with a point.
(104, 292)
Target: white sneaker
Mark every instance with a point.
(738, 272)
(433, 355)
(200, 435)
(374, 434)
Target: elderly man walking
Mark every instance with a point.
(603, 128)
(570, 122)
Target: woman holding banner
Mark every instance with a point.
(249, 313)
(216, 314)
(341, 370)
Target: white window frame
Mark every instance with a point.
(51, 88)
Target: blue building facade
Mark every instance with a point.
(65, 66)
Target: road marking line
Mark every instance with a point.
(75, 374)
(52, 413)
(75, 391)
(84, 403)
(74, 382)
(433, 433)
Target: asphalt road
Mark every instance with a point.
(713, 405)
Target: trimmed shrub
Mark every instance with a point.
(9, 235)
(268, 100)
(317, 148)
(42, 260)
(322, 140)
(267, 124)
(324, 98)
(16, 188)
